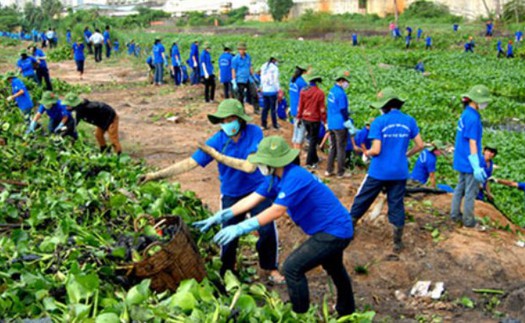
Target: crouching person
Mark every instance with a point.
(60, 119)
(98, 114)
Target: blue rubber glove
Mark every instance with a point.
(230, 233)
(349, 125)
(60, 125)
(32, 127)
(218, 218)
(234, 85)
(479, 173)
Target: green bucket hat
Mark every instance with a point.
(241, 45)
(274, 151)
(302, 67)
(9, 75)
(228, 108)
(369, 121)
(479, 94)
(207, 44)
(48, 98)
(342, 74)
(176, 41)
(438, 144)
(386, 95)
(198, 40)
(275, 56)
(72, 100)
(313, 75)
(227, 46)
(23, 52)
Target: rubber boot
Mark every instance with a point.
(398, 239)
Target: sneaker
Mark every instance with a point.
(264, 128)
(277, 127)
(345, 175)
(314, 166)
(328, 174)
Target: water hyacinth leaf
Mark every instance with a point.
(246, 303)
(184, 300)
(107, 318)
(231, 281)
(81, 286)
(138, 293)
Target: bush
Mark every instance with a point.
(430, 10)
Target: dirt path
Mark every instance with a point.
(436, 249)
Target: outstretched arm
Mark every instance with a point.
(239, 164)
(183, 166)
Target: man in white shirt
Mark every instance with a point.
(269, 88)
(97, 40)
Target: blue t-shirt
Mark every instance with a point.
(78, 52)
(429, 41)
(194, 52)
(40, 55)
(395, 130)
(490, 27)
(206, 60)
(131, 48)
(521, 186)
(500, 49)
(337, 112)
(419, 33)
(310, 203)
(24, 101)
(234, 183)
(425, 164)
(469, 127)
(57, 111)
(175, 55)
(510, 50)
(26, 65)
(149, 60)
(116, 46)
(87, 34)
(489, 169)
(242, 66)
(158, 50)
(225, 67)
(106, 36)
(362, 137)
(68, 37)
(295, 92)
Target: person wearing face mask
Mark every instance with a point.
(237, 138)
(311, 205)
(337, 116)
(270, 87)
(391, 134)
(425, 167)
(468, 161)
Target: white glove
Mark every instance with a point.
(10, 98)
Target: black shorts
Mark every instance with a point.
(80, 66)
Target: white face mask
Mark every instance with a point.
(346, 85)
(265, 170)
(482, 106)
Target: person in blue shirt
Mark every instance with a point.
(116, 46)
(500, 49)
(519, 36)
(362, 142)
(424, 170)
(397, 32)
(510, 50)
(78, 56)
(55, 38)
(207, 73)
(138, 50)
(20, 95)
(354, 39)
(469, 45)
(151, 69)
(42, 71)
(35, 33)
(87, 43)
(193, 62)
(428, 43)
(420, 67)
(297, 84)
(225, 71)
(242, 69)
(292, 190)
(408, 39)
(107, 42)
(391, 134)
(176, 63)
(489, 29)
(419, 33)
(489, 153)
(60, 118)
(68, 36)
(519, 185)
(468, 161)
(337, 115)
(237, 139)
(159, 60)
(26, 64)
(455, 27)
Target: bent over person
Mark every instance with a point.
(99, 114)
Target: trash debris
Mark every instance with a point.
(438, 290)
(400, 296)
(422, 289)
(520, 244)
(174, 119)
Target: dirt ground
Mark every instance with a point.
(436, 250)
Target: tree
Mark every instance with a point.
(51, 8)
(33, 16)
(279, 9)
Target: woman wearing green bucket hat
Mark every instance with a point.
(60, 119)
(312, 206)
(468, 159)
(237, 138)
(391, 134)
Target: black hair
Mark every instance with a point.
(107, 27)
(297, 160)
(87, 28)
(298, 72)
(97, 30)
(492, 150)
(156, 41)
(243, 124)
(392, 104)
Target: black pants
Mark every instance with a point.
(108, 50)
(312, 131)
(243, 91)
(209, 88)
(228, 90)
(270, 105)
(90, 48)
(337, 149)
(43, 73)
(267, 245)
(98, 52)
(321, 249)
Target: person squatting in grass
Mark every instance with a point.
(468, 161)
(78, 56)
(207, 73)
(20, 94)
(297, 83)
(60, 119)
(98, 114)
(311, 204)
(391, 134)
(237, 138)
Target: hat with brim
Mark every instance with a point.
(438, 144)
(342, 75)
(369, 121)
(48, 98)
(72, 100)
(275, 56)
(23, 52)
(479, 94)
(8, 75)
(176, 40)
(274, 151)
(302, 67)
(228, 108)
(207, 45)
(241, 45)
(313, 76)
(227, 46)
(387, 96)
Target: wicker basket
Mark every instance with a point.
(177, 260)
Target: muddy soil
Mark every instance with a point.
(435, 248)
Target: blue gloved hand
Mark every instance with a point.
(234, 85)
(32, 127)
(479, 173)
(349, 125)
(218, 218)
(230, 233)
(57, 129)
